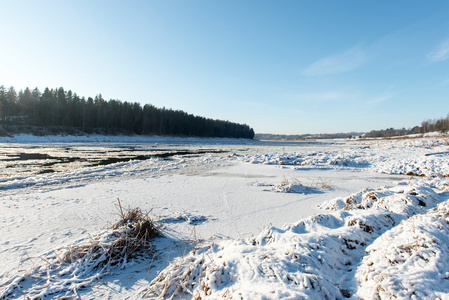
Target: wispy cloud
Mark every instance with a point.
(376, 100)
(339, 63)
(320, 97)
(441, 53)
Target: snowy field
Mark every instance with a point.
(239, 219)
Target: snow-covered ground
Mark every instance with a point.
(252, 220)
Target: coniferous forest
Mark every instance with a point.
(54, 108)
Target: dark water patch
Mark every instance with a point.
(50, 160)
(110, 161)
(63, 160)
(160, 154)
(89, 151)
(189, 152)
(46, 171)
(29, 156)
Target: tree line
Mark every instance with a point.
(61, 108)
(441, 125)
(297, 137)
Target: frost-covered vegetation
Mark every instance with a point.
(319, 257)
(365, 240)
(68, 269)
(399, 233)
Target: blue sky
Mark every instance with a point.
(287, 67)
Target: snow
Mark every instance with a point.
(257, 220)
(314, 258)
(410, 260)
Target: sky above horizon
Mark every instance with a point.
(286, 67)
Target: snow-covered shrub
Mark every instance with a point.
(317, 258)
(68, 269)
(410, 261)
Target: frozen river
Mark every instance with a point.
(55, 193)
(23, 162)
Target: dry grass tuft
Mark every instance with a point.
(130, 235)
(322, 183)
(290, 186)
(371, 195)
(65, 270)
